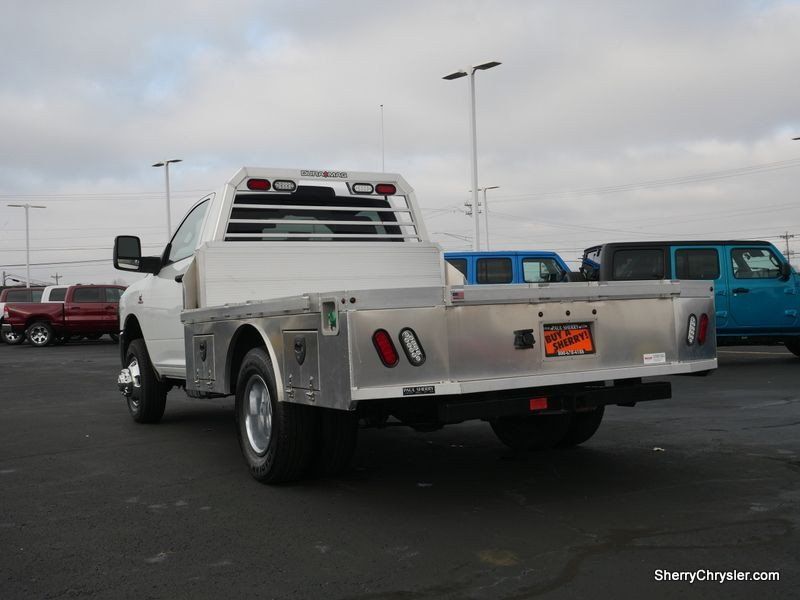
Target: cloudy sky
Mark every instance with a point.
(606, 121)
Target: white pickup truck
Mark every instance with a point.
(317, 299)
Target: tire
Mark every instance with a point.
(337, 437)
(13, 338)
(114, 337)
(537, 432)
(277, 438)
(40, 334)
(583, 426)
(793, 345)
(149, 397)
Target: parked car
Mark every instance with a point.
(518, 266)
(17, 294)
(87, 310)
(757, 293)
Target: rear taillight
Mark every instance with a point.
(385, 347)
(412, 347)
(258, 184)
(691, 330)
(385, 189)
(702, 329)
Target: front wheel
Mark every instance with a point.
(40, 334)
(148, 396)
(277, 438)
(12, 338)
(793, 345)
(536, 432)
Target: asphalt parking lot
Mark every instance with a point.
(94, 505)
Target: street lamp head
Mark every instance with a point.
(455, 75)
(486, 65)
(166, 162)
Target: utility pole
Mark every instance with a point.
(4, 279)
(383, 151)
(56, 277)
(787, 236)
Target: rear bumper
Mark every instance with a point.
(443, 410)
(558, 401)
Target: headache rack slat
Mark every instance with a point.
(322, 235)
(320, 207)
(320, 222)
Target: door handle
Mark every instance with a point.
(741, 291)
(111, 306)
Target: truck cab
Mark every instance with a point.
(522, 266)
(756, 291)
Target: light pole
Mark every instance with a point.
(165, 164)
(476, 242)
(27, 208)
(486, 211)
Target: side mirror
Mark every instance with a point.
(785, 271)
(128, 256)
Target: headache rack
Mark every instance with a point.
(321, 211)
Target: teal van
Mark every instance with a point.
(757, 293)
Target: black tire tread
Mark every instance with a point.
(793, 345)
(536, 432)
(153, 397)
(293, 428)
(337, 438)
(582, 427)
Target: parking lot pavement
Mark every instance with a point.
(94, 505)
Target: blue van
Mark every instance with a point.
(757, 293)
(516, 266)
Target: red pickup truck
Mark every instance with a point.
(88, 310)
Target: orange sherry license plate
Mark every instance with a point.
(568, 339)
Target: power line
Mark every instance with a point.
(657, 183)
(65, 262)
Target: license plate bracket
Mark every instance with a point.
(568, 339)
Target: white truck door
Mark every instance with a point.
(162, 299)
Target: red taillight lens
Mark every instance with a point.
(702, 329)
(258, 184)
(385, 347)
(385, 189)
(537, 403)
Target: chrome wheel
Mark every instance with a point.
(136, 376)
(11, 337)
(258, 414)
(39, 335)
